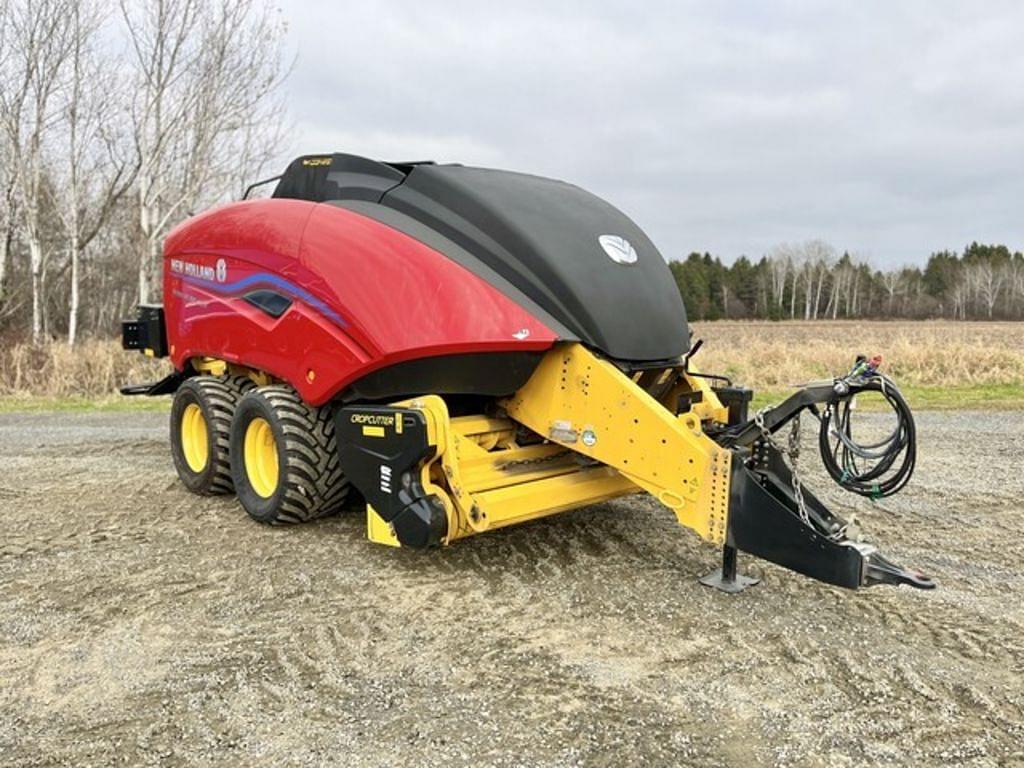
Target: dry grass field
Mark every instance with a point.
(935, 353)
(92, 370)
(939, 364)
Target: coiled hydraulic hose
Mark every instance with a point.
(875, 469)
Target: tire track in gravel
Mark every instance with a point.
(142, 623)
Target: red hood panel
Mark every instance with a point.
(363, 296)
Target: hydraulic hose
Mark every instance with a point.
(874, 469)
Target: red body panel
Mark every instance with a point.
(364, 296)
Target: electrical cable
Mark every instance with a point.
(873, 469)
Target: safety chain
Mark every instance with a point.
(518, 463)
(792, 452)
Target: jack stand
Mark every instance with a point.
(725, 578)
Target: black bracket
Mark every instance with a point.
(764, 521)
(148, 332)
(168, 385)
(745, 433)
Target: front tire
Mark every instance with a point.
(201, 416)
(284, 458)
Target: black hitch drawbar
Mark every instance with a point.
(774, 518)
(764, 521)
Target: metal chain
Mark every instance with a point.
(794, 456)
(516, 464)
(792, 452)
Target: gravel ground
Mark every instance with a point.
(142, 625)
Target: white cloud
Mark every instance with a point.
(886, 128)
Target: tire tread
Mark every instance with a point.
(315, 486)
(221, 395)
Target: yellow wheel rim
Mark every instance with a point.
(261, 457)
(195, 440)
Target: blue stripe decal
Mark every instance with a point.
(265, 278)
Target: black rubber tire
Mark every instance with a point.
(217, 397)
(310, 481)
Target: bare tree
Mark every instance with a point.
(7, 214)
(892, 281)
(852, 294)
(841, 277)
(1015, 284)
(40, 42)
(814, 258)
(823, 256)
(959, 293)
(8, 178)
(987, 281)
(780, 261)
(807, 270)
(98, 170)
(205, 74)
(786, 259)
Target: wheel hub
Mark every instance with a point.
(195, 440)
(261, 466)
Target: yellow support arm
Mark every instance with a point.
(585, 403)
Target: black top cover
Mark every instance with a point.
(576, 257)
(337, 177)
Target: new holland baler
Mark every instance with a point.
(469, 349)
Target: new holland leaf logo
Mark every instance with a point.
(619, 249)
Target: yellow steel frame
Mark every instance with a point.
(214, 366)
(487, 481)
(605, 436)
(586, 403)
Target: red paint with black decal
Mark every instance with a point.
(363, 296)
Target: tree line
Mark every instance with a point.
(117, 120)
(120, 118)
(811, 281)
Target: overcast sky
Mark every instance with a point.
(890, 129)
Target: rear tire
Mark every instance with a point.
(201, 416)
(284, 458)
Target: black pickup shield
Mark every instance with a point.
(382, 449)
